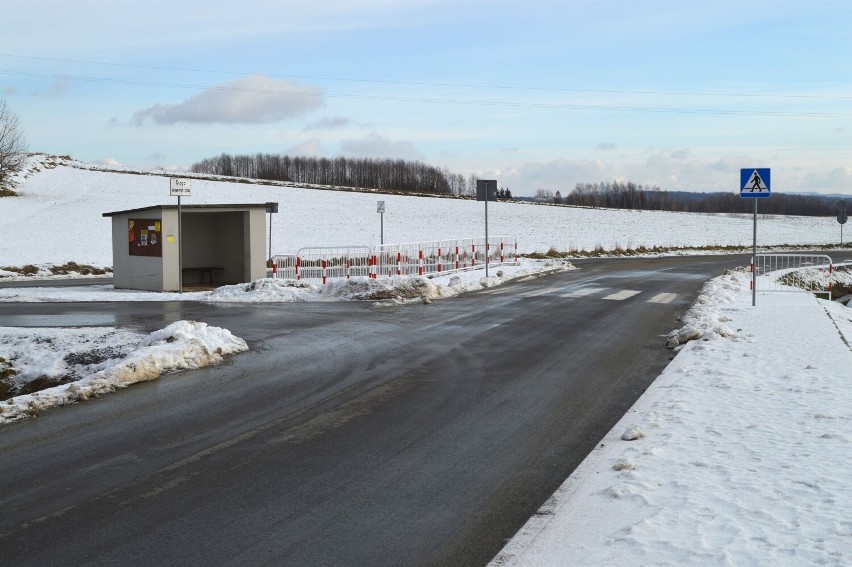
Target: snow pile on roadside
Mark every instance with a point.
(744, 455)
(118, 357)
(56, 355)
(260, 291)
(398, 289)
(709, 317)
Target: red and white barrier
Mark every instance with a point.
(409, 259)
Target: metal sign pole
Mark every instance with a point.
(482, 194)
(180, 248)
(486, 229)
(380, 208)
(179, 188)
(754, 259)
(755, 183)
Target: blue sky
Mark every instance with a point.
(538, 94)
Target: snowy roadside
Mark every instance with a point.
(738, 454)
(398, 289)
(95, 361)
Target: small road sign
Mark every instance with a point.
(755, 182)
(380, 207)
(486, 187)
(842, 216)
(180, 188)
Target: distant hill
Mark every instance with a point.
(58, 217)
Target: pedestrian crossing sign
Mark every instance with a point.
(754, 182)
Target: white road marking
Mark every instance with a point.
(538, 292)
(582, 292)
(663, 298)
(623, 294)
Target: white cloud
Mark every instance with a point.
(680, 154)
(256, 99)
(377, 146)
(307, 148)
(606, 146)
(558, 174)
(670, 170)
(836, 180)
(328, 123)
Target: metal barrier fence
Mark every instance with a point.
(320, 264)
(794, 272)
(410, 259)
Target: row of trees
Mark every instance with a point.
(628, 195)
(616, 195)
(383, 174)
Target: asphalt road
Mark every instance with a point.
(351, 434)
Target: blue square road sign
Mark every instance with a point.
(755, 182)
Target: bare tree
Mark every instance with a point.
(13, 145)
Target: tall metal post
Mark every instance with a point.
(380, 208)
(482, 194)
(754, 260)
(180, 248)
(486, 229)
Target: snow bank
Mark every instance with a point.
(709, 317)
(399, 289)
(744, 456)
(181, 345)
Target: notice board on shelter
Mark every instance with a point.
(145, 237)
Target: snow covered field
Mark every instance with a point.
(58, 218)
(738, 454)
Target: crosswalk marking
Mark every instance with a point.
(623, 294)
(587, 291)
(663, 298)
(539, 292)
(583, 292)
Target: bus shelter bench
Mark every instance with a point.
(204, 270)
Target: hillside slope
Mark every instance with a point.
(58, 217)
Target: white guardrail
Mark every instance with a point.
(794, 272)
(388, 260)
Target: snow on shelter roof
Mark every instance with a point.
(268, 207)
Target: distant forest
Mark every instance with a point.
(382, 174)
(417, 177)
(627, 195)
